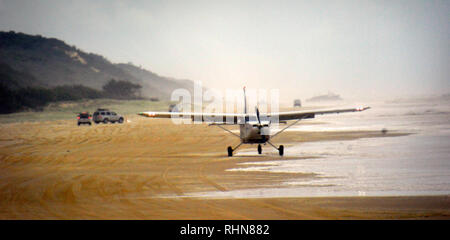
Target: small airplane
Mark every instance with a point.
(251, 131)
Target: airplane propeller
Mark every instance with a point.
(257, 115)
(259, 118)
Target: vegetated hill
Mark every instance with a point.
(15, 79)
(28, 60)
(164, 84)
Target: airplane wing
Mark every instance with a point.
(230, 118)
(234, 118)
(294, 115)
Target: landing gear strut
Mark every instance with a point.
(280, 149)
(231, 150)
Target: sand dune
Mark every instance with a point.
(146, 169)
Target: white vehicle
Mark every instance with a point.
(105, 116)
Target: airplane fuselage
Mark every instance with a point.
(252, 133)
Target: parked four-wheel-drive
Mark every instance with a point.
(105, 116)
(84, 118)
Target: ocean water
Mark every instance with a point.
(416, 164)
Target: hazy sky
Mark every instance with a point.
(354, 48)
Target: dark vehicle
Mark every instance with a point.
(84, 118)
(297, 103)
(105, 116)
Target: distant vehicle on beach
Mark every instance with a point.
(105, 116)
(174, 108)
(84, 118)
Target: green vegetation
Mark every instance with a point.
(121, 89)
(16, 79)
(69, 109)
(36, 98)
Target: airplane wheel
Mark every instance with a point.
(281, 150)
(230, 152)
(259, 149)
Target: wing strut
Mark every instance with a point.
(218, 125)
(290, 125)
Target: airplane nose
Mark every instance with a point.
(265, 131)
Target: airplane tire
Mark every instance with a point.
(259, 149)
(230, 152)
(281, 150)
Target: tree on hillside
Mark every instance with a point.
(121, 89)
(8, 100)
(75, 92)
(36, 98)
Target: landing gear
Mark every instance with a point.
(230, 151)
(259, 149)
(281, 150)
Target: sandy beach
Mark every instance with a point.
(151, 169)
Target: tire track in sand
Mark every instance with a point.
(179, 192)
(260, 202)
(171, 185)
(203, 178)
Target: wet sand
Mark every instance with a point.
(149, 168)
